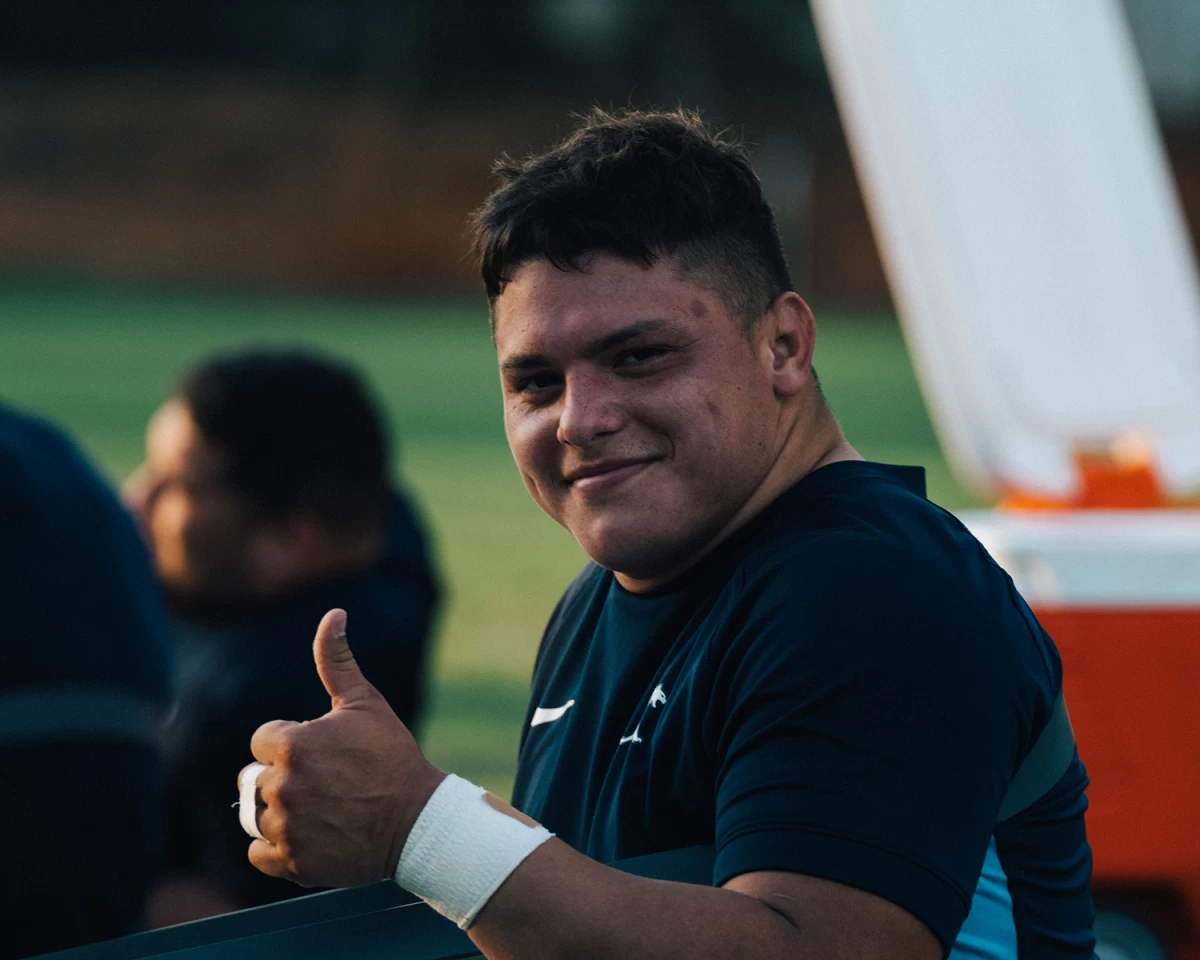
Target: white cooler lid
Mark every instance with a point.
(1036, 250)
(1120, 558)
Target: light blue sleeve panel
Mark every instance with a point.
(989, 932)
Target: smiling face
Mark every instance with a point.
(640, 414)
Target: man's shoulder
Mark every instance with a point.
(879, 573)
(858, 524)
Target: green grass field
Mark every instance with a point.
(99, 362)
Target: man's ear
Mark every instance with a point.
(789, 335)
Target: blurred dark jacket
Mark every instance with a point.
(239, 670)
(82, 619)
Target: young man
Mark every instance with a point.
(265, 497)
(780, 649)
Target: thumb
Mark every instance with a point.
(336, 665)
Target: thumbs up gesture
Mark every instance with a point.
(339, 793)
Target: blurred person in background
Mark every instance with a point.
(84, 678)
(265, 498)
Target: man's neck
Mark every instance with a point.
(811, 443)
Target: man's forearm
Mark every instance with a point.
(560, 904)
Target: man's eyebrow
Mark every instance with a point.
(525, 361)
(611, 340)
(535, 361)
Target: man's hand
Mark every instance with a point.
(340, 792)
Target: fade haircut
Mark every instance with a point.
(645, 186)
(300, 433)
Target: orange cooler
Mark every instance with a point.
(1120, 594)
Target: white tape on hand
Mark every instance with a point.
(248, 800)
(463, 846)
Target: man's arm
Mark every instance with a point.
(559, 903)
(341, 794)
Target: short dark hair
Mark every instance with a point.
(643, 186)
(301, 434)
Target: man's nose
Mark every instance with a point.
(589, 410)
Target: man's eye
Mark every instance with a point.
(537, 382)
(638, 356)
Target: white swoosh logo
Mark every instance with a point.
(549, 714)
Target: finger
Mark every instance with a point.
(268, 740)
(336, 665)
(267, 858)
(271, 819)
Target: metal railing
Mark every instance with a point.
(375, 922)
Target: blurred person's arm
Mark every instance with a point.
(183, 897)
(205, 864)
(205, 872)
(81, 843)
(187, 888)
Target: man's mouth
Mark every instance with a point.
(604, 475)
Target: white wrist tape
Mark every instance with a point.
(462, 847)
(248, 800)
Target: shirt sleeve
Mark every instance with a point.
(868, 718)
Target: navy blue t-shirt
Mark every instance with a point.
(844, 689)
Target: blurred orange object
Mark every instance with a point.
(1117, 477)
(1119, 591)
(1131, 678)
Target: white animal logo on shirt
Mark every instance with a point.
(656, 698)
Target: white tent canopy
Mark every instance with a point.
(1034, 244)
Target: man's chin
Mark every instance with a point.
(631, 552)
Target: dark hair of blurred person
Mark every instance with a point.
(645, 187)
(84, 672)
(266, 500)
(267, 470)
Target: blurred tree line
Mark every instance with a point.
(435, 50)
(340, 145)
